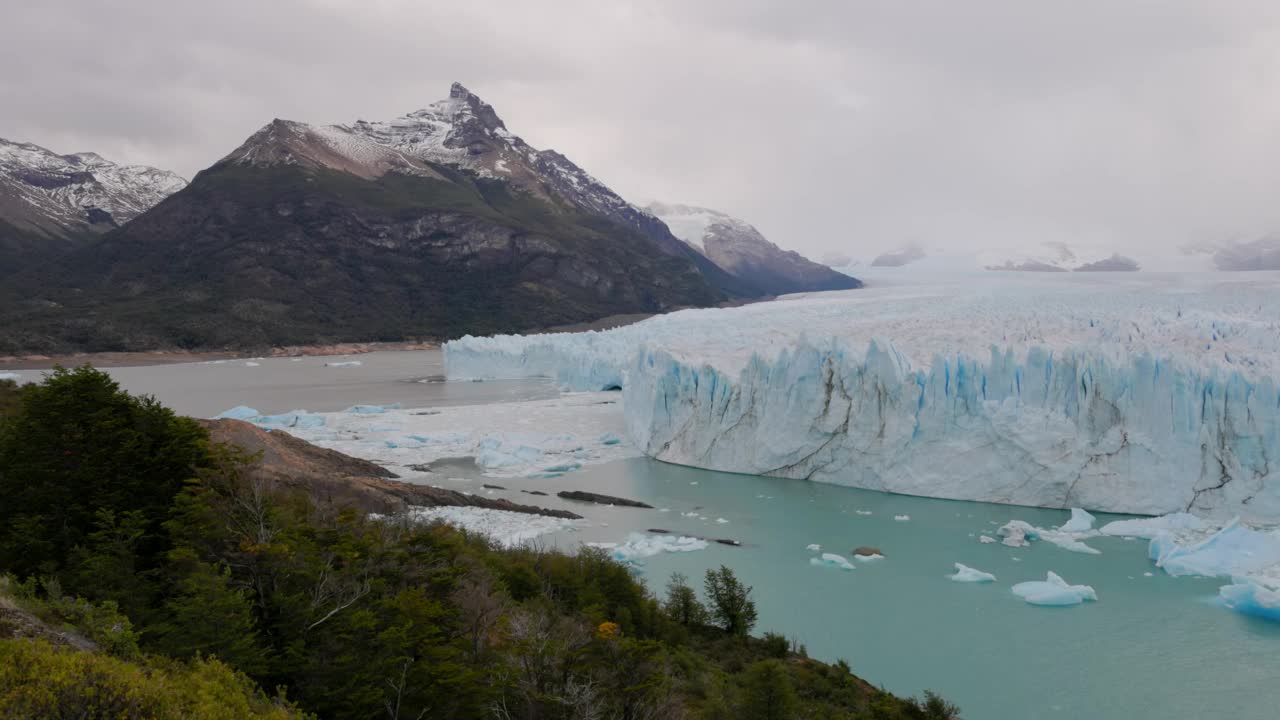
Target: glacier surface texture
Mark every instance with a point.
(1147, 394)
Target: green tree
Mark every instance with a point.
(768, 693)
(78, 446)
(682, 603)
(206, 615)
(731, 603)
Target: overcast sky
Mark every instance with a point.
(830, 125)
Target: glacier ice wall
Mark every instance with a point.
(1048, 429)
(1149, 394)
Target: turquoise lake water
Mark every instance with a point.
(1151, 647)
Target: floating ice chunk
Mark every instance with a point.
(1017, 533)
(347, 363)
(1150, 527)
(252, 364)
(815, 547)
(986, 539)
(902, 518)
(863, 512)
(1067, 542)
(1235, 550)
(868, 558)
(964, 573)
(832, 560)
(1053, 591)
(640, 545)
(239, 412)
(371, 409)
(1148, 574)
(1252, 598)
(722, 521)
(1080, 522)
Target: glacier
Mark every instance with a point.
(1148, 394)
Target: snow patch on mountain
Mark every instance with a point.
(49, 193)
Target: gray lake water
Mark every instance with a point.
(1151, 647)
(275, 385)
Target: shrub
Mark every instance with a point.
(38, 680)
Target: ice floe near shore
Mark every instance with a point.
(539, 437)
(508, 529)
(639, 546)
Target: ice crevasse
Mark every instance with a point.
(1113, 397)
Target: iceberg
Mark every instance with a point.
(639, 546)
(966, 574)
(1150, 527)
(1080, 522)
(239, 412)
(1053, 591)
(1150, 396)
(1252, 598)
(831, 560)
(1233, 551)
(1019, 533)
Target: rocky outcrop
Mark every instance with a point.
(598, 499)
(331, 477)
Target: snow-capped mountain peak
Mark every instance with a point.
(739, 248)
(461, 131)
(57, 195)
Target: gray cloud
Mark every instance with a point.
(838, 125)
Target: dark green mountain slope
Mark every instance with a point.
(289, 253)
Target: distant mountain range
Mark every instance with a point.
(435, 224)
(740, 249)
(51, 204)
(1259, 254)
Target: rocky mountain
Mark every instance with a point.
(741, 250)
(435, 224)
(51, 203)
